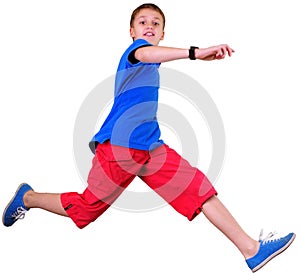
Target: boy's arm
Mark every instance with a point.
(159, 54)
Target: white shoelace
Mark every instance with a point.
(19, 214)
(268, 238)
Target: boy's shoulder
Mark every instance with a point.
(124, 61)
(138, 43)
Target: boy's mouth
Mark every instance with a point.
(149, 34)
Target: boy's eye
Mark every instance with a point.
(144, 23)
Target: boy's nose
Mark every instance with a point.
(149, 26)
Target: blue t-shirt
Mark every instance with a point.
(132, 121)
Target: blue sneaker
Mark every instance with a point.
(16, 209)
(269, 248)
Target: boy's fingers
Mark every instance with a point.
(222, 52)
(230, 51)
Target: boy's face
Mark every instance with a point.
(148, 25)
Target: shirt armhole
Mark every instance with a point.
(131, 56)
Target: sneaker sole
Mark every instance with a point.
(4, 212)
(274, 255)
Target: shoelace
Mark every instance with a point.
(19, 214)
(268, 237)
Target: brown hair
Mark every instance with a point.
(147, 6)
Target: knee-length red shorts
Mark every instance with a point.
(184, 187)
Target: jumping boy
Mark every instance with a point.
(128, 145)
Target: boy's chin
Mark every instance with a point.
(152, 40)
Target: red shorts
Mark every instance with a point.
(184, 187)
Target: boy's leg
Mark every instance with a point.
(106, 181)
(46, 201)
(188, 190)
(219, 216)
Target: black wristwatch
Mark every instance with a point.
(192, 52)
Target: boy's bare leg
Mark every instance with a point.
(219, 216)
(47, 201)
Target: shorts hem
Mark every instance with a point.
(67, 205)
(209, 195)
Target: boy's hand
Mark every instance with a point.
(214, 52)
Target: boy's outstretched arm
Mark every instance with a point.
(160, 54)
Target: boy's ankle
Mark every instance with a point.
(252, 250)
(27, 198)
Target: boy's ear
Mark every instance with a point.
(162, 36)
(132, 33)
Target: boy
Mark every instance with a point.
(128, 145)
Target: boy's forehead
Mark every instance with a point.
(149, 13)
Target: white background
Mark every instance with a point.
(53, 53)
